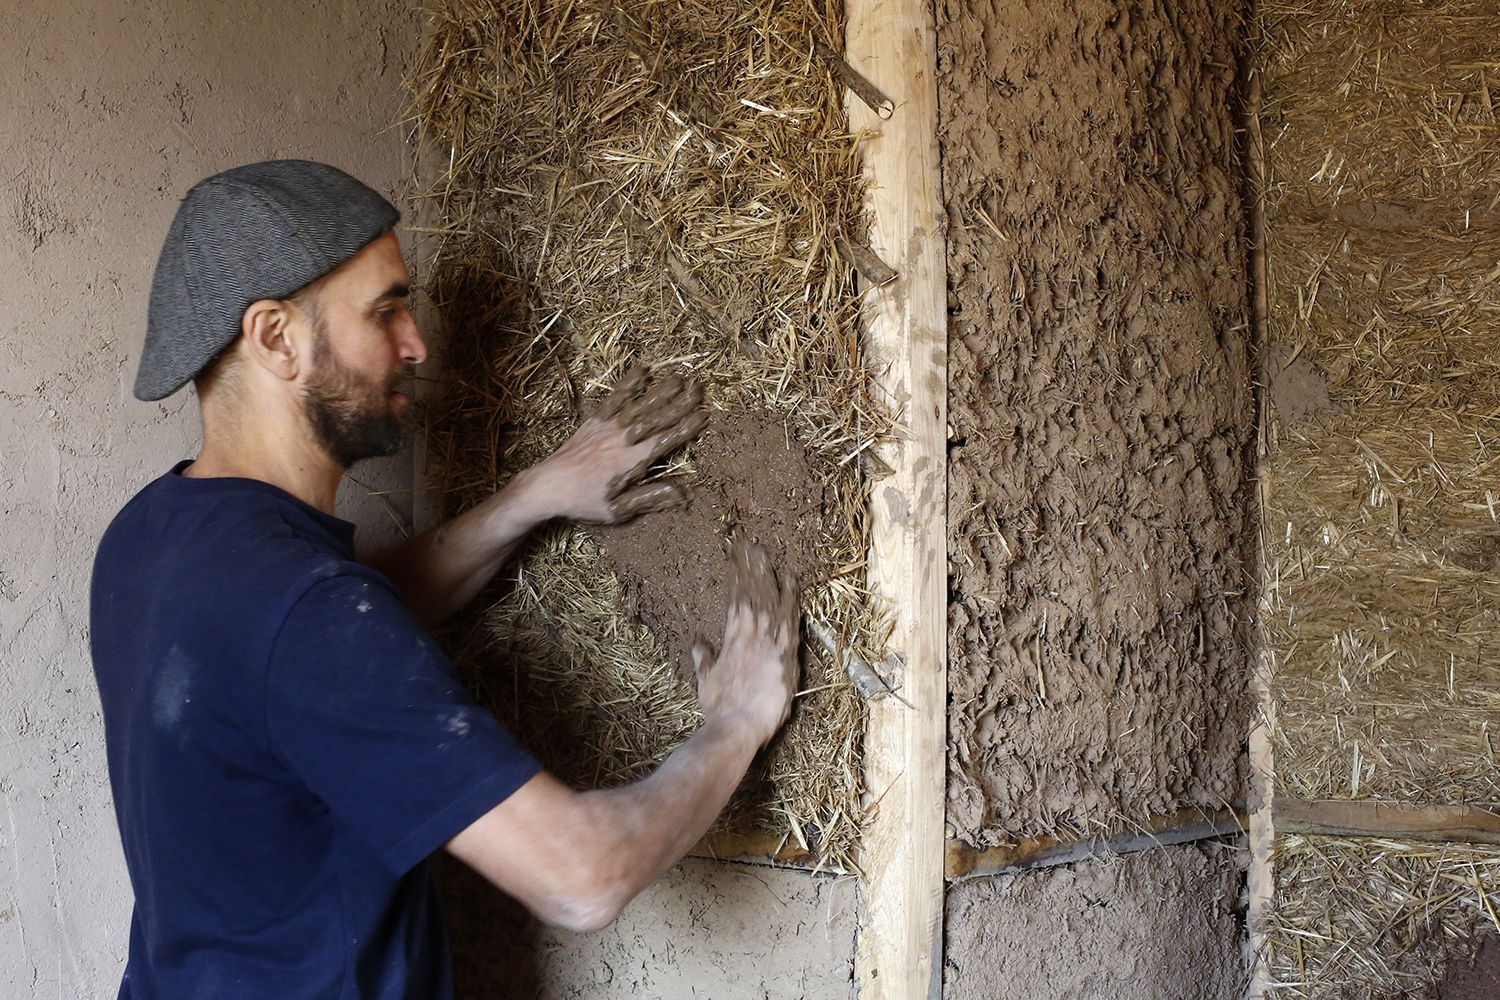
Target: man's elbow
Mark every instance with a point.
(581, 917)
(593, 901)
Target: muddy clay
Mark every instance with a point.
(674, 565)
(1145, 926)
(705, 929)
(1476, 977)
(1100, 412)
(1297, 388)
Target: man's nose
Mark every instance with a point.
(413, 347)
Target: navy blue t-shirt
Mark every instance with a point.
(287, 746)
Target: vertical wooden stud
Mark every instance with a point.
(893, 43)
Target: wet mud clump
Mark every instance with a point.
(1476, 977)
(1100, 411)
(750, 476)
(1296, 389)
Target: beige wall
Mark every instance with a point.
(705, 929)
(109, 111)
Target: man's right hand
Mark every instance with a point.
(752, 679)
(576, 858)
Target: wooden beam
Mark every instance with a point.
(1260, 878)
(756, 848)
(964, 860)
(893, 44)
(1393, 820)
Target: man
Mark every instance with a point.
(287, 745)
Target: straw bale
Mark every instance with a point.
(662, 181)
(1361, 919)
(1382, 101)
(1382, 544)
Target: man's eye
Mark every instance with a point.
(387, 313)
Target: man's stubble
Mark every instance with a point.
(351, 416)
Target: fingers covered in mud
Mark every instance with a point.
(756, 673)
(625, 392)
(599, 469)
(657, 415)
(664, 494)
(662, 413)
(704, 658)
(679, 434)
(664, 444)
(660, 398)
(646, 405)
(756, 587)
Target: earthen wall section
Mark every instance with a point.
(1100, 412)
(1144, 926)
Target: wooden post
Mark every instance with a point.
(893, 43)
(1260, 878)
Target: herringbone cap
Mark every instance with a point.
(261, 231)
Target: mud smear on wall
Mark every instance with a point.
(750, 476)
(1296, 389)
(1100, 412)
(1476, 978)
(1159, 923)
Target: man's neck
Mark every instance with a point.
(295, 463)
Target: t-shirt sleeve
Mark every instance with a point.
(365, 708)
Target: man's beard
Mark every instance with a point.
(351, 416)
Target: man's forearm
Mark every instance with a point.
(441, 570)
(658, 820)
(576, 858)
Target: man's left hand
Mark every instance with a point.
(596, 474)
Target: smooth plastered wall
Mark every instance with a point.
(111, 111)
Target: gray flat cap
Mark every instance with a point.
(261, 231)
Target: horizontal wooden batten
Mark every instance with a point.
(963, 860)
(1397, 820)
(756, 848)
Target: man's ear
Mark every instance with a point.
(266, 325)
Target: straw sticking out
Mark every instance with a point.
(1375, 918)
(1382, 541)
(1383, 538)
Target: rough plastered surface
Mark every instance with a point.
(1157, 924)
(704, 930)
(1100, 410)
(111, 112)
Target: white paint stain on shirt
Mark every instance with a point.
(173, 689)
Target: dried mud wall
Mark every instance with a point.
(112, 111)
(1100, 410)
(705, 929)
(1143, 926)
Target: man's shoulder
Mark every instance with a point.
(184, 535)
